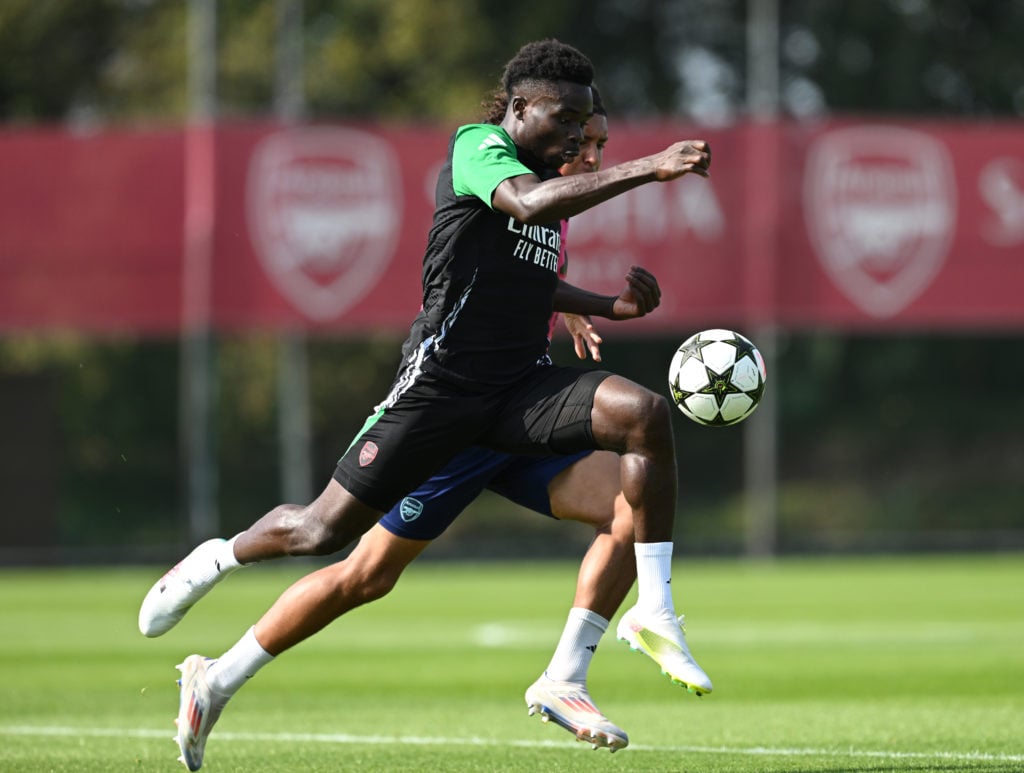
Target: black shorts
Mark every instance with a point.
(545, 413)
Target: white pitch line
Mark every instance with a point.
(499, 634)
(412, 740)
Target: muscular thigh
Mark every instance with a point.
(587, 490)
(526, 480)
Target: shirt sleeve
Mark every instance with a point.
(483, 157)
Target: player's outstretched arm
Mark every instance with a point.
(641, 296)
(530, 200)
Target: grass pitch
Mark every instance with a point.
(881, 664)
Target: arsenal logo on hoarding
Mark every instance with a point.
(881, 208)
(324, 206)
(1001, 184)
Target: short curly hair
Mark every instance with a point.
(495, 106)
(549, 61)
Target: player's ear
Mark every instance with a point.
(518, 105)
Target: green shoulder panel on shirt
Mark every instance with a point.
(484, 155)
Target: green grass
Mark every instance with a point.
(882, 664)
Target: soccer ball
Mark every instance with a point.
(717, 377)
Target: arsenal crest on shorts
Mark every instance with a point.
(324, 206)
(881, 207)
(367, 453)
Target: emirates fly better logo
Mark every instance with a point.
(881, 206)
(324, 205)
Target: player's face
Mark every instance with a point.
(553, 123)
(595, 137)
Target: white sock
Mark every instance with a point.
(240, 663)
(211, 562)
(582, 632)
(226, 561)
(654, 576)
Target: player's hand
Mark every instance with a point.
(641, 296)
(689, 156)
(584, 336)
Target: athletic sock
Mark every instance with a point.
(654, 576)
(582, 632)
(240, 663)
(213, 563)
(226, 561)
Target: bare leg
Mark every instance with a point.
(329, 524)
(589, 491)
(368, 573)
(636, 423)
(309, 605)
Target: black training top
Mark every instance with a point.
(488, 280)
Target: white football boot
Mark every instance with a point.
(176, 592)
(662, 638)
(198, 709)
(568, 705)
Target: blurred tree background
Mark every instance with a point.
(909, 440)
(103, 62)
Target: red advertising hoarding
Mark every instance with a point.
(848, 224)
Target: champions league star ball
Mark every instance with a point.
(717, 377)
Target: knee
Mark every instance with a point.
(349, 584)
(315, 532)
(630, 419)
(654, 419)
(373, 588)
(619, 524)
(369, 582)
(305, 534)
(320, 540)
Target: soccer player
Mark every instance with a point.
(475, 372)
(581, 487)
